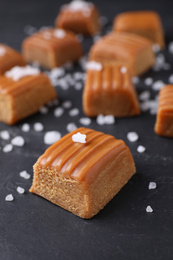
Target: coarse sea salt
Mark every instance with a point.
(79, 138)
(9, 197)
(74, 112)
(83, 62)
(123, 69)
(57, 72)
(78, 5)
(38, 127)
(59, 111)
(148, 81)
(78, 86)
(7, 148)
(25, 127)
(24, 175)
(141, 149)
(149, 209)
(93, 65)
(132, 136)
(18, 141)
(51, 137)
(135, 80)
(152, 185)
(67, 104)
(43, 110)
(85, 121)
(2, 51)
(59, 33)
(170, 79)
(4, 135)
(145, 95)
(19, 72)
(108, 119)
(71, 127)
(20, 190)
(157, 85)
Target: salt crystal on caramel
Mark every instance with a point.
(52, 48)
(164, 120)
(109, 90)
(83, 177)
(125, 49)
(23, 90)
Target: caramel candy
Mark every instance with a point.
(52, 48)
(23, 90)
(164, 121)
(132, 51)
(9, 58)
(83, 177)
(109, 90)
(145, 23)
(80, 17)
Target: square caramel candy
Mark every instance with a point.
(109, 90)
(52, 48)
(23, 90)
(164, 120)
(9, 58)
(132, 51)
(80, 17)
(145, 23)
(83, 171)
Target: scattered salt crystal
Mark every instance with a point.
(157, 85)
(93, 65)
(9, 197)
(148, 81)
(63, 84)
(156, 48)
(85, 121)
(152, 185)
(25, 127)
(25, 175)
(135, 80)
(170, 79)
(18, 141)
(43, 110)
(5, 135)
(59, 111)
(67, 104)
(71, 127)
(51, 137)
(109, 119)
(132, 136)
(78, 75)
(78, 86)
(78, 5)
(149, 209)
(145, 95)
(29, 29)
(7, 148)
(59, 33)
(144, 106)
(100, 119)
(79, 138)
(74, 112)
(170, 47)
(123, 69)
(57, 72)
(2, 51)
(153, 110)
(141, 149)
(38, 127)
(20, 190)
(19, 72)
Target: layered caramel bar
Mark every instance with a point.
(80, 17)
(109, 90)
(23, 90)
(145, 23)
(83, 171)
(52, 48)
(164, 121)
(125, 49)
(9, 58)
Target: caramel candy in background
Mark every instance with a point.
(144, 23)
(125, 49)
(164, 120)
(83, 177)
(52, 48)
(110, 90)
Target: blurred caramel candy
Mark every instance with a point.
(23, 90)
(164, 120)
(109, 90)
(9, 58)
(80, 17)
(132, 51)
(52, 48)
(83, 177)
(145, 23)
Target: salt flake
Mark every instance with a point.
(20, 190)
(74, 112)
(25, 127)
(38, 127)
(51, 137)
(149, 209)
(79, 138)
(5, 135)
(9, 197)
(7, 148)
(93, 65)
(141, 149)
(152, 185)
(19, 72)
(18, 141)
(132, 136)
(25, 175)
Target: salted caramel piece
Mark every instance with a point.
(145, 23)
(52, 48)
(83, 177)
(109, 90)
(164, 120)
(132, 51)
(9, 58)
(23, 90)
(80, 17)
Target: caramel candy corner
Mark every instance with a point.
(9, 58)
(109, 91)
(145, 23)
(125, 49)
(23, 96)
(52, 48)
(83, 177)
(164, 120)
(82, 18)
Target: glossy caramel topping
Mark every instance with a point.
(166, 99)
(76, 159)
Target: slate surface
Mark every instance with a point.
(33, 228)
